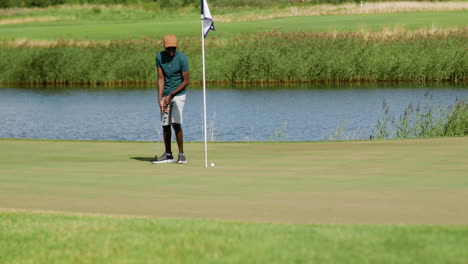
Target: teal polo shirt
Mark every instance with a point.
(172, 68)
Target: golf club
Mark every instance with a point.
(159, 131)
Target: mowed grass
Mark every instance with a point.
(116, 26)
(31, 237)
(417, 181)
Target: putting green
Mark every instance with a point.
(418, 181)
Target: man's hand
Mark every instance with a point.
(165, 102)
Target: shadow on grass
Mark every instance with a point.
(147, 159)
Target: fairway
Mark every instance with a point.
(416, 181)
(116, 28)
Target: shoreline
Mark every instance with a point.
(88, 84)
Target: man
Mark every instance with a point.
(173, 77)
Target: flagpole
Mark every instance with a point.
(204, 95)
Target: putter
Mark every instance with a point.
(157, 144)
(159, 131)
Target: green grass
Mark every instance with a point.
(391, 201)
(166, 5)
(71, 238)
(406, 46)
(135, 25)
(371, 22)
(420, 181)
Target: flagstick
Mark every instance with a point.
(204, 96)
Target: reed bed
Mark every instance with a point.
(272, 57)
(424, 120)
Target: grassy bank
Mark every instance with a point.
(262, 58)
(73, 238)
(366, 182)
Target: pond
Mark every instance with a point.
(294, 113)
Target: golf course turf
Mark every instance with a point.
(415, 181)
(377, 201)
(390, 201)
(73, 238)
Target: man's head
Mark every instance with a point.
(170, 44)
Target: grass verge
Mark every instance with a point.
(70, 238)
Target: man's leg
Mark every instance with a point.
(179, 136)
(177, 109)
(167, 156)
(167, 138)
(180, 143)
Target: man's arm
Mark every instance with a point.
(182, 85)
(160, 88)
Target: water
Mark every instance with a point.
(235, 114)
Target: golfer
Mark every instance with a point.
(173, 77)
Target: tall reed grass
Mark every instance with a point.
(426, 120)
(272, 57)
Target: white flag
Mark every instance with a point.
(206, 17)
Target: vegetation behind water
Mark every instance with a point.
(251, 58)
(93, 44)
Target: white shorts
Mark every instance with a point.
(174, 115)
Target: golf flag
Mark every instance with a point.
(207, 25)
(206, 18)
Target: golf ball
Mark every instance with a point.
(212, 164)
